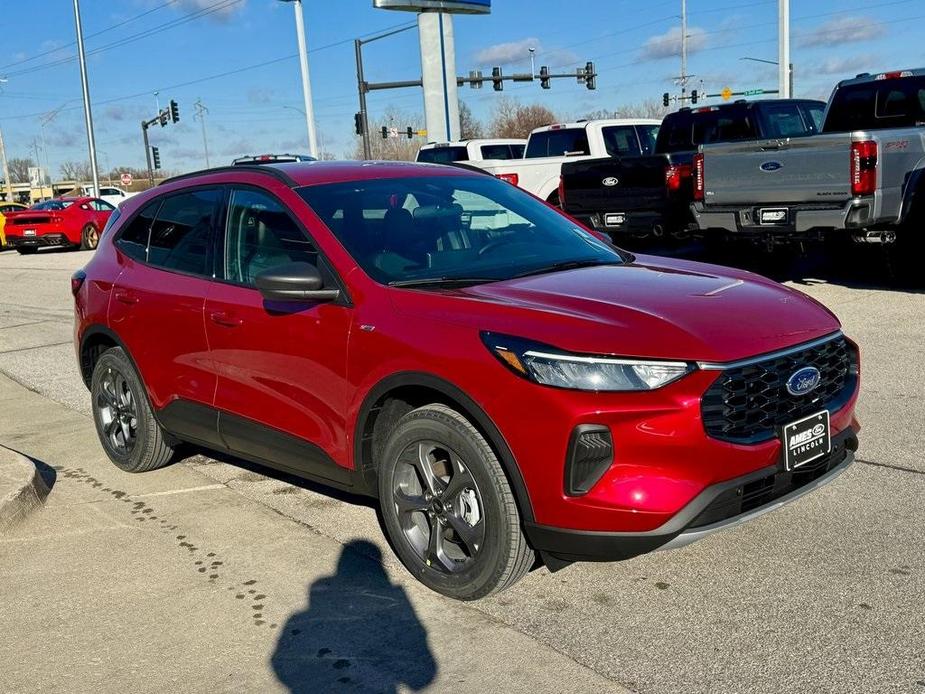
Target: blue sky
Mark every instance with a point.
(238, 56)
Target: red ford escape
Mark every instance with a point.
(505, 382)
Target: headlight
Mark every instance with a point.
(552, 367)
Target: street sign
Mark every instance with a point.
(454, 6)
(126, 179)
(726, 93)
(393, 132)
(753, 92)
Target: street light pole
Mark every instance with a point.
(320, 132)
(306, 79)
(88, 116)
(774, 62)
(785, 70)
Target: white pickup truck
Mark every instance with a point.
(551, 146)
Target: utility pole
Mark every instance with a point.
(306, 79)
(6, 170)
(200, 114)
(38, 166)
(46, 120)
(88, 116)
(683, 80)
(785, 68)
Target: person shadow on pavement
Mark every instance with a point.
(359, 632)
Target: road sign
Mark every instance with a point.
(393, 132)
(753, 92)
(126, 179)
(726, 93)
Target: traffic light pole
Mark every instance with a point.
(361, 86)
(144, 132)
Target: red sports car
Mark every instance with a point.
(60, 222)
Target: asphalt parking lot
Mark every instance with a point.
(825, 595)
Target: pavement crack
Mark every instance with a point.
(900, 468)
(31, 347)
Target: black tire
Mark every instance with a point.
(123, 415)
(481, 493)
(553, 200)
(89, 238)
(27, 250)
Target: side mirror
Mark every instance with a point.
(294, 282)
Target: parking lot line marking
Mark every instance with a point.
(170, 492)
(26, 349)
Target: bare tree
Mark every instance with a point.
(399, 148)
(513, 119)
(470, 127)
(19, 169)
(648, 108)
(599, 114)
(76, 171)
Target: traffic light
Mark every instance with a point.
(156, 157)
(410, 132)
(475, 79)
(590, 76)
(694, 96)
(666, 99)
(385, 133)
(162, 118)
(174, 111)
(497, 79)
(544, 77)
(358, 123)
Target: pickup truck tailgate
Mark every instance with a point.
(616, 185)
(788, 170)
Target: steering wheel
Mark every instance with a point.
(491, 245)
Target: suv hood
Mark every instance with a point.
(653, 307)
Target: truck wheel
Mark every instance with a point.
(553, 200)
(89, 238)
(130, 435)
(447, 506)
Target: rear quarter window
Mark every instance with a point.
(133, 240)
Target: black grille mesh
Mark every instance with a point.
(749, 404)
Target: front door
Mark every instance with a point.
(281, 367)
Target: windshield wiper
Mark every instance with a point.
(568, 265)
(441, 281)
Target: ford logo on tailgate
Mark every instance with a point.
(804, 381)
(610, 181)
(770, 166)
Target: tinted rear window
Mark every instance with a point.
(181, 236)
(558, 143)
(620, 140)
(685, 131)
(895, 103)
(502, 151)
(443, 155)
(783, 120)
(133, 241)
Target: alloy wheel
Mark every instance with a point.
(117, 408)
(439, 506)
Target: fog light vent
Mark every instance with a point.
(590, 453)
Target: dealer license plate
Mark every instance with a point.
(28, 232)
(806, 440)
(614, 219)
(774, 215)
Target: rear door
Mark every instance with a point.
(281, 366)
(157, 306)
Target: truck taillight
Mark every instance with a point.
(511, 178)
(562, 191)
(698, 176)
(675, 175)
(863, 167)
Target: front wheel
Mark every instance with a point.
(447, 506)
(125, 424)
(89, 238)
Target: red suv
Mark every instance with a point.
(504, 381)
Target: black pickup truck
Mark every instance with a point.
(645, 195)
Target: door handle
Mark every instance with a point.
(222, 318)
(126, 297)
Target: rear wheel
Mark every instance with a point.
(447, 506)
(27, 250)
(130, 435)
(89, 238)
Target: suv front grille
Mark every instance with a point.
(748, 404)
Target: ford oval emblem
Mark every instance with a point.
(610, 181)
(770, 166)
(804, 381)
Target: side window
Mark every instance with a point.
(108, 191)
(133, 241)
(101, 206)
(181, 236)
(260, 234)
(815, 114)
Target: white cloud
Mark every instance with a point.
(843, 30)
(845, 67)
(668, 45)
(224, 9)
(513, 51)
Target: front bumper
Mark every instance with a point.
(719, 506)
(39, 241)
(801, 218)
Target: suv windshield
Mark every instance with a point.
(451, 229)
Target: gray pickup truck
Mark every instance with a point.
(863, 175)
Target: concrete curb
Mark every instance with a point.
(22, 488)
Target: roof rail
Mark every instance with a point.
(255, 168)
